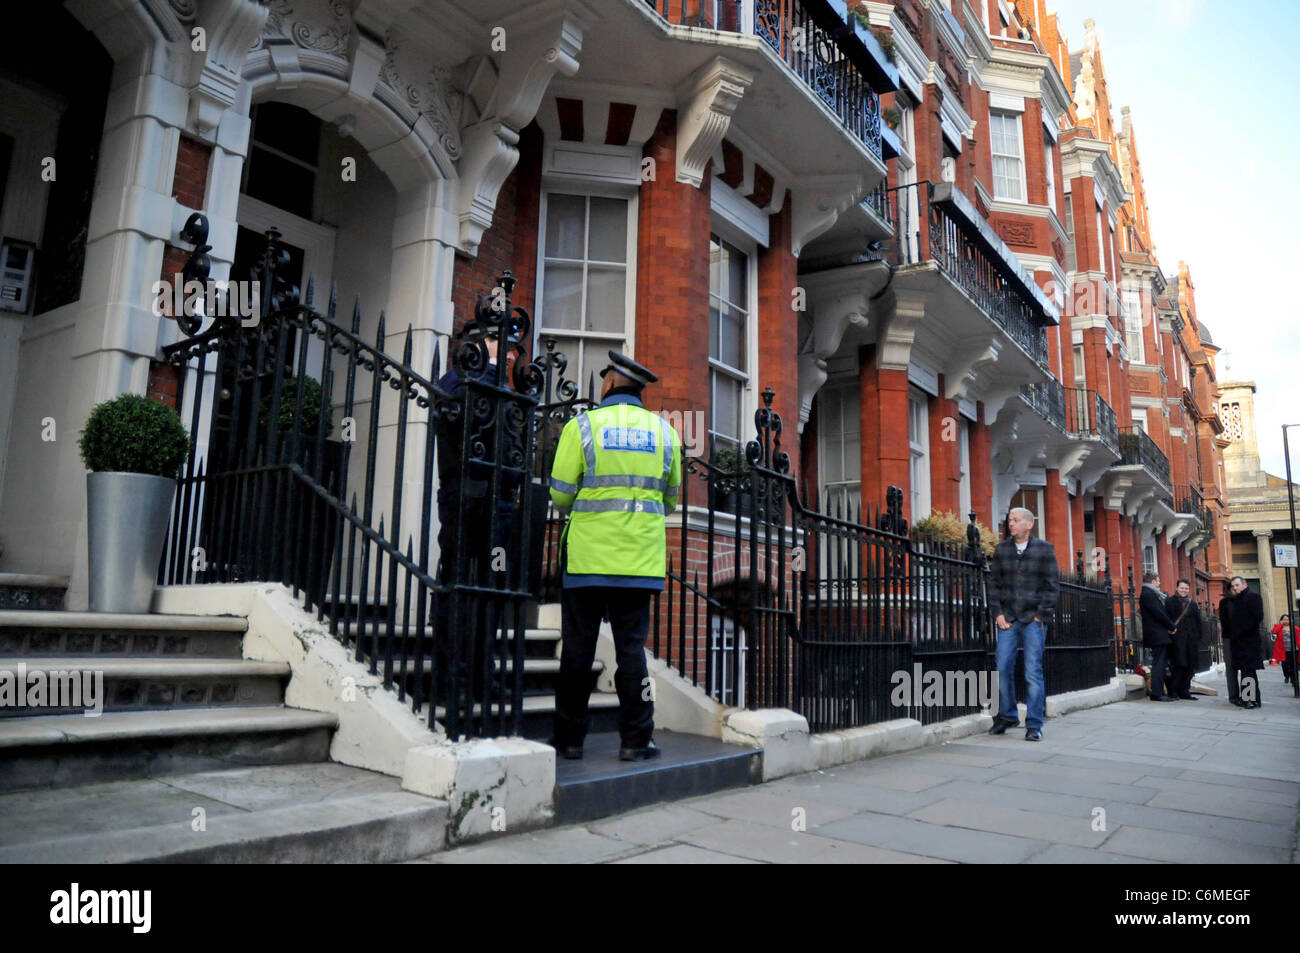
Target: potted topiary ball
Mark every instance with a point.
(134, 447)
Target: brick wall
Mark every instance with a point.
(778, 329)
(672, 279)
(883, 419)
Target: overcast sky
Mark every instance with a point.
(1210, 89)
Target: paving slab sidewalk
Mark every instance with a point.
(1131, 782)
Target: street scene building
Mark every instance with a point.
(891, 262)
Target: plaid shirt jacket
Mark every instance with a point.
(1022, 586)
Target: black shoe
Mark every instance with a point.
(1033, 734)
(651, 750)
(1000, 725)
(568, 752)
(1237, 701)
(1250, 705)
(1162, 698)
(1188, 698)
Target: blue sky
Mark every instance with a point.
(1211, 88)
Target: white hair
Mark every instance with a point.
(1024, 513)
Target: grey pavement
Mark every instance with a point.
(1133, 782)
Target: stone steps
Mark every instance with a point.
(299, 813)
(46, 633)
(55, 750)
(147, 683)
(28, 591)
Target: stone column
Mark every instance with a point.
(1263, 547)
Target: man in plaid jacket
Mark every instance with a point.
(1023, 587)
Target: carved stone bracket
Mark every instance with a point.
(817, 202)
(215, 73)
(708, 100)
(489, 145)
(970, 357)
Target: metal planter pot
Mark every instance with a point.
(126, 519)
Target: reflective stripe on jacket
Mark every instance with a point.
(617, 473)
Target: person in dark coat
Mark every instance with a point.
(1157, 633)
(1024, 583)
(1187, 640)
(1242, 615)
(474, 548)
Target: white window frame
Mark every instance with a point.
(575, 372)
(1080, 367)
(749, 394)
(919, 453)
(1023, 197)
(1049, 166)
(830, 391)
(1133, 326)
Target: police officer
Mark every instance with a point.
(617, 472)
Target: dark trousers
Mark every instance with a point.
(1159, 665)
(479, 620)
(1234, 691)
(628, 611)
(1239, 676)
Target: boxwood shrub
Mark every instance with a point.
(134, 434)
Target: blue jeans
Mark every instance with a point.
(1030, 636)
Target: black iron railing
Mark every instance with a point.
(1047, 399)
(945, 230)
(815, 44)
(1188, 499)
(272, 494)
(1138, 449)
(1088, 415)
(877, 201)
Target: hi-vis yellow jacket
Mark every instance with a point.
(617, 473)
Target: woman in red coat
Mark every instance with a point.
(1284, 641)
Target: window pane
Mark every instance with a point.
(562, 299)
(608, 230)
(726, 406)
(606, 299)
(737, 286)
(731, 350)
(565, 215)
(715, 255)
(714, 331)
(834, 461)
(852, 456)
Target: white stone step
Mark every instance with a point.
(33, 580)
(543, 704)
(127, 726)
(295, 813)
(151, 666)
(59, 619)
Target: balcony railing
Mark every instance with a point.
(1188, 499)
(1047, 400)
(938, 223)
(877, 201)
(1138, 449)
(812, 40)
(1088, 415)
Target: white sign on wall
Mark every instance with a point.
(1284, 555)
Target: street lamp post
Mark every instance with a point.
(1291, 599)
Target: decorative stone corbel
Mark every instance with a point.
(708, 99)
(540, 46)
(894, 342)
(229, 28)
(817, 202)
(962, 373)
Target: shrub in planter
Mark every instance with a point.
(133, 434)
(134, 448)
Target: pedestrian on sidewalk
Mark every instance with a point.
(1242, 615)
(1023, 588)
(1187, 638)
(1157, 633)
(1284, 634)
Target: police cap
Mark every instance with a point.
(639, 374)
